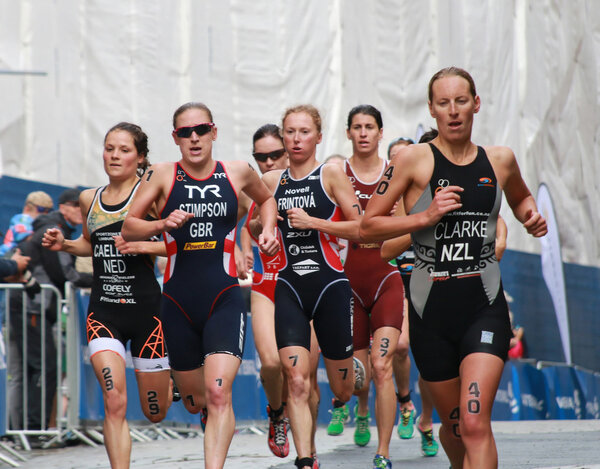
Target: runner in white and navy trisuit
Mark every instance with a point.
(311, 284)
(459, 326)
(125, 299)
(214, 322)
(203, 312)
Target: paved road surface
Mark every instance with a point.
(537, 444)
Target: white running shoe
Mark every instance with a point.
(359, 374)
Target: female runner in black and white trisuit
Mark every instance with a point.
(459, 326)
(125, 297)
(204, 314)
(316, 204)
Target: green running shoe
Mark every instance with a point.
(346, 413)
(406, 425)
(362, 434)
(336, 425)
(381, 462)
(429, 446)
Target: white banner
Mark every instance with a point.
(552, 268)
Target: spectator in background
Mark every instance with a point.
(21, 224)
(20, 228)
(517, 342)
(12, 268)
(47, 267)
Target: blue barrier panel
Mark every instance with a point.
(590, 388)
(564, 393)
(506, 406)
(91, 406)
(532, 400)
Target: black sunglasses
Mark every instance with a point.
(200, 129)
(274, 155)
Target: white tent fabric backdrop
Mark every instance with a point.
(89, 64)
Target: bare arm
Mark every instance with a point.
(392, 248)
(54, 240)
(155, 184)
(340, 189)
(246, 243)
(255, 188)
(501, 234)
(517, 193)
(151, 248)
(396, 182)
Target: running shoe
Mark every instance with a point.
(346, 413)
(316, 464)
(362, 434)
(203, 417)
(277, 439)
(359, 374)
(381, 462)
(339, 415)
(406, 425)
(304, 462)
(429, 446)
(176, 393)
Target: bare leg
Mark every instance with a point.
(363, 393)
(480, 375)
(219, 372)
(191, 387)
(401, 364)
(263, 327)
(155, 393)
(315, 393)
(382, 353)
(109, 368)
(426, 418)
(296, 363)
(446, 397)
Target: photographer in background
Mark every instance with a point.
(12, 268)
(48, 267)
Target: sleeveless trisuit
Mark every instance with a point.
(125, 296)
(457, 304)
(376, 285)
(203, 308)
(311, 283)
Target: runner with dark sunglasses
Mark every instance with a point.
(204, 314)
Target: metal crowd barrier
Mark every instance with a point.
(25, 338)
